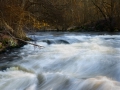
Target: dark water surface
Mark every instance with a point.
(68, 61)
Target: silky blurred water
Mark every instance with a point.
(68, 61)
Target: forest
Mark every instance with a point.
(19, 16)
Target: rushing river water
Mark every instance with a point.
(66, 62)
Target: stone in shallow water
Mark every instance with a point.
(55, 41)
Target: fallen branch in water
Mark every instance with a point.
(29, 42)
(24, 41)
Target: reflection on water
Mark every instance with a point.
(68, 62)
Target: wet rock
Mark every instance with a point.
(55, 41)
(48, 41)
(7, 43)
(63, 42)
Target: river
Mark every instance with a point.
(67, 61)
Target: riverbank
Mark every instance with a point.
(7, 42)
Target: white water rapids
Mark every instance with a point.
(67, 62)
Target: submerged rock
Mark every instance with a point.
(62, 42)
(55, 41)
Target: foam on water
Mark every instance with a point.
(92, 62)
(14, 79)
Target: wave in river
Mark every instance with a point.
(68, 62)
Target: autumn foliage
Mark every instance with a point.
(17, 15)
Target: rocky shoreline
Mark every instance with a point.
(8, 43)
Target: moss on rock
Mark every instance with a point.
(7, 42)
(1, 45)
